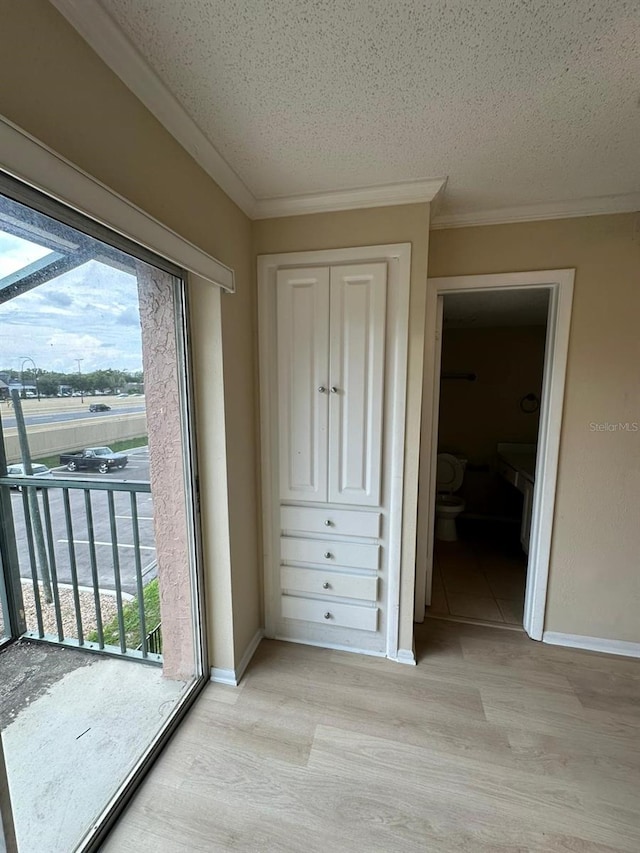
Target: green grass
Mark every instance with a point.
(133, 638)
(116, 446)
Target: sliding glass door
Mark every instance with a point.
(99, 597)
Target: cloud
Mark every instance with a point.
(128, 317)
(62, 300)
(90, 312)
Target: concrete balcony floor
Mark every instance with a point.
(73, 725)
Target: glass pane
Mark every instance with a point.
(92, 390)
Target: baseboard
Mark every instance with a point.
(233, 676)
(250, 651)
(592, 644)
(224, 676)
(405, 656)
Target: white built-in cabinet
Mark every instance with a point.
(330, 419)
(331, 339)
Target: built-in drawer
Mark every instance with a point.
(342, 615)
(340, 584)
(329, 553)
(339, 522)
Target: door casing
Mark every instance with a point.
(559, 283)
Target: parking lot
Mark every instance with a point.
(137, 469)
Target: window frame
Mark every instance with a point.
(52, 207)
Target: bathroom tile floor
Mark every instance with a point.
(480, 577)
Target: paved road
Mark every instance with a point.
(137, 469)
(60, 417)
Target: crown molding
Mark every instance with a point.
(107, 39)
(597, 206)
(410, 192)
(96, 26)
(103, 34)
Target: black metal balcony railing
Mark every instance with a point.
(72, 522)
(154, 640)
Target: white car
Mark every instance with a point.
(18, 471)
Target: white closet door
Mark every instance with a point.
(303, 360)
(357, 323)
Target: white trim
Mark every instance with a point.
(250, 651)
(592, 644)
(597, 206)
(223, 676)
(233, 676)
(398, 257)
(104, 35)
(560, 285)
(33, 163)
(96, 26)
(395, 436)
(406, 656)
(410, 192)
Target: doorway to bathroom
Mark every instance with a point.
(495, 360)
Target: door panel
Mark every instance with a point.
(303, 341)
(358, 314)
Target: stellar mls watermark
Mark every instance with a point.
(619, 426)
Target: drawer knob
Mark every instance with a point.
(321, 389)
(334, 390)
(328, 523)
(326, 585)
(328, 555)
(327, 615)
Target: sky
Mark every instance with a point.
(90, 313)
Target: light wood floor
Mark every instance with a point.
(493, 743)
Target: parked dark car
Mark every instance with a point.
(101, 459)
(99, 407)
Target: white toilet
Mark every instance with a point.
(449, 477)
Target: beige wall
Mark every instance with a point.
(402, 224)
(57, 89)
(475, 416)
(594, 587)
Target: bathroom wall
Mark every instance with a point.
(475, 416)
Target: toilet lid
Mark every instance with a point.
(449, 473)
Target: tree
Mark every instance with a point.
(48, 385)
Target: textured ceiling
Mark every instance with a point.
(491, 308)
(518, 102)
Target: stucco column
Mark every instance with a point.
(162, 391)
